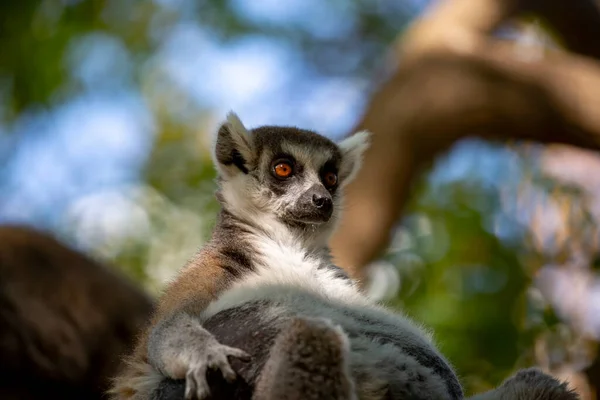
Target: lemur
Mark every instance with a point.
(261, 312)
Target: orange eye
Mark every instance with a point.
(330, 179)
(283, 170)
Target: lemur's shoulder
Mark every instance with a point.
(200, 281)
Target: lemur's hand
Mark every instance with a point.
(203, 354)
(189, 350)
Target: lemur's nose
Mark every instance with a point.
(322, 202)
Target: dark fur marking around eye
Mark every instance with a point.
(329, 166)
(285, 158)
(277, 185)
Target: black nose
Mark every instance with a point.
(322, 202)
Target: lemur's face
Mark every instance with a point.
(292, 174)
(297, 175)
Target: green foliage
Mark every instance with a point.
(458, 277)
(470, 294)
(472, 288)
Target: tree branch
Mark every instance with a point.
(443, 98)
(456, 82)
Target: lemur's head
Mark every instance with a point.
(283, 174)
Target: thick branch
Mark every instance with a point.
(455, 25)
(460, 25)
(440, 98)
(434, 100)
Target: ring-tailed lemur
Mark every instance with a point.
(262, 312)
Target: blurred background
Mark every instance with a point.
(108, 109)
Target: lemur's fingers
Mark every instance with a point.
(196, 385)
(217, 358)
(237, 353)
(214, 357)
(221, 363)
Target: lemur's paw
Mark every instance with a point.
(213, 357)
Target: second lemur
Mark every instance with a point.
(263, 306)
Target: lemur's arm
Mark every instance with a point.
(174, 343)
(180, 348)
(309, 360)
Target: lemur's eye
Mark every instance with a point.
(330, 179)
(283, 169)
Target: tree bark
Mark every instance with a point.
(454, 83)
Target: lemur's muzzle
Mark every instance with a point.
(315, 205)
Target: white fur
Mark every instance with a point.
(288, 277)
(243, 142)
(285, 262)
(315, 293)
(240, 135)
(353, 148)
(258, 210)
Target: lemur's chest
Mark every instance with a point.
(290, 264)
(282, 268)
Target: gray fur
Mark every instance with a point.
(389, 357)
(181, 348)
(309, 360)
(309, 330)
(530, 384)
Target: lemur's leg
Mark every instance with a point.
(309, 360)
(529, 384)
(180, 348)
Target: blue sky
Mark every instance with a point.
(100, 139)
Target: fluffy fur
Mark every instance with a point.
(308, 361)
(265, 287)
(530, 384)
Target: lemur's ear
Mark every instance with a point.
(352, 149)
(233, 150)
